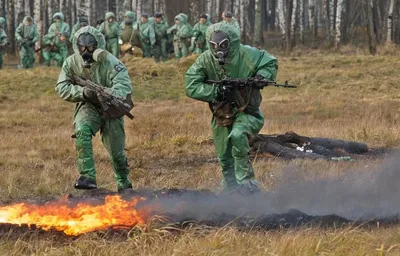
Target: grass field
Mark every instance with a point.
(354, 97)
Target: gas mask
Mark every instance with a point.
(219, 44)
(87, 44)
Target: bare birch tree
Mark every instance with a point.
(301, 19)
(258, 23)
(38, 19)
(281, 20)
(390, 22)
(338, 22)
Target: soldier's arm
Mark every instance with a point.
(47, 39)
(65, 87)
(115, 31)
(66, 30)
(268, 66)
(18, 31)
(184, 32)
(152, 35)
(171, 29)
(101, 29)
(35, 35)
(3, 38)
(196, 30)
(52, 32)
(121, 85)
(194, 83)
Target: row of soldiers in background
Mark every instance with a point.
(151, 34)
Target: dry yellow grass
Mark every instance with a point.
(352, 97)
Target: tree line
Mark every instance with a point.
(264, 23)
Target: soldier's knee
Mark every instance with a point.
(83, 134)
(240, 142)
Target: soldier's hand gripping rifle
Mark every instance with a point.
(112, 106)
(227, 86)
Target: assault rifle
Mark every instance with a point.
(52, 48)
(111, 106)
(26, 43)
(254, 82)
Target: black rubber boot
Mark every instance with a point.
(128, 189)
(85, 183)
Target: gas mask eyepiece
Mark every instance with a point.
(87, 44)
(220, 45)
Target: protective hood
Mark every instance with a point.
(2, 21)
(131, 15)
(101, 43)
(59, 14)
(232, 33)
(110, 15)
(180, 18)
(184, 17)
(28, 17)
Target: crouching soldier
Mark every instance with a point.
(236, 112)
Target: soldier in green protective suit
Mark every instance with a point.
(110, 29)
(129, 32)
(190, 28)
(82, 22)
(3, 40)
(161, 27)
(56, 40)
(91, 61)
(229, 19)
(147, 35)
(27, 35)
(236, 112)
(198, 42)
(180, 34)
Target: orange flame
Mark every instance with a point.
(75, 219)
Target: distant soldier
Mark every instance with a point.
(129, 19)
(230, 20)
(198, 42)
(161, 27)
(129, 34)
(180, 33)
(82, 22)
(147, 35)
(110, 30)
(190, 28)
(3, 40)
(56, 41)
(92, 62)
(27, 35)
